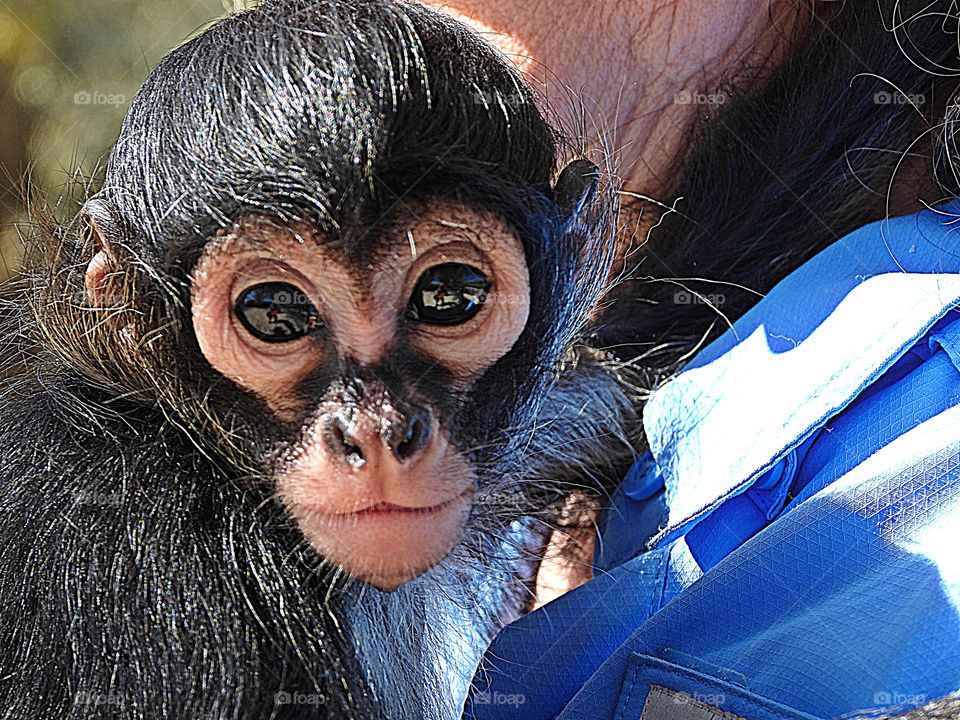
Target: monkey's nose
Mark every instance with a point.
(404, 432)
(341, 441)
(411, 434)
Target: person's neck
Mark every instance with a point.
(637, 82)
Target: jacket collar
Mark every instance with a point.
(799, 357)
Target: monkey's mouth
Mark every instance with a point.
(385, 509)
(385, 544)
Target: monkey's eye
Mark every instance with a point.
(448, 294)
(276, 312)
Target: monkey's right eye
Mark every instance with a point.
(449, 294)
(276, 312)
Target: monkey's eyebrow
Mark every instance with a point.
(465, 230)
(469, 232)
(236, 241)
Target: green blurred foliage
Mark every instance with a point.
(67, 72)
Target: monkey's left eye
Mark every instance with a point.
(276, 312)
(448, 294)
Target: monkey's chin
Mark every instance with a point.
(386, 545)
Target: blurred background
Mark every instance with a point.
(67, 72)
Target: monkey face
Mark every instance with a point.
(363, 358)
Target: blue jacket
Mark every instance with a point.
(790, 547)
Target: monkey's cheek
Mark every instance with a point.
(386, 549)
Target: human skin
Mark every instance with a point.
(633, 63)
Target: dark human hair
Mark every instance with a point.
(791, 161)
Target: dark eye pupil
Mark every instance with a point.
(276, 312)
(448, 294)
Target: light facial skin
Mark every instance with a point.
(376, 485)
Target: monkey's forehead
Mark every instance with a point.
(413, 230)
(327, 109)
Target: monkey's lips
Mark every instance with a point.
(389, 509)
(385, 544)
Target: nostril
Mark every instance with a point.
(336, 436)
(415, 437)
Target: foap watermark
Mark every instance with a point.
(488, 99)
(99, 99)
(698, 98)
(87, 497)
(896, 698)
(299, 698)
(94, 698)
(500, 698)
(291, 297)
(686, 297)
(898, 98)
(712, 699)
(502, 298)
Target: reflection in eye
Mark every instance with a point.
(276, 312)
(448, 294)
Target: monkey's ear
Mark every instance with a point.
(105, 231)
(576, 187)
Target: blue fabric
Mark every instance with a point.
(790, 547)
